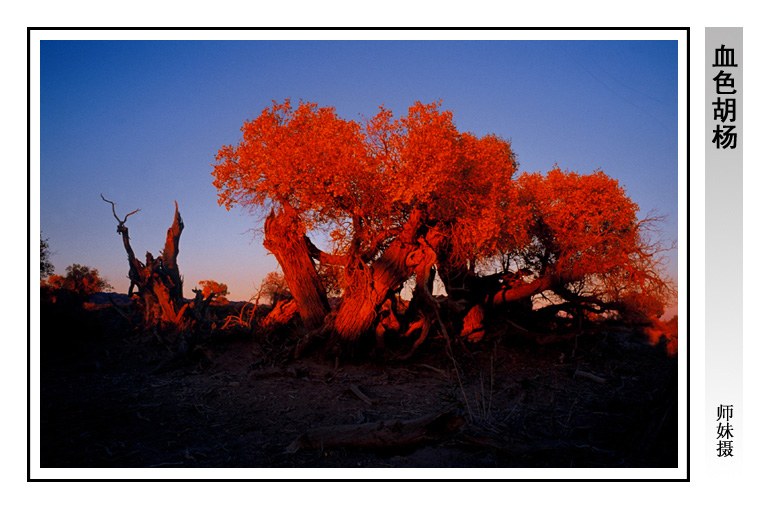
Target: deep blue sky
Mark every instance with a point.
(141, 122)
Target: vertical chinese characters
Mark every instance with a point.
(725, 431)
(725, 136)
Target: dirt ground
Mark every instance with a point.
(115, 397)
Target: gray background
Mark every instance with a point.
(723, 252)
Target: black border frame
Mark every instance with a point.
(688, 256)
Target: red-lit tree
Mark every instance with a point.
(579, 240)
(413, 196)
(214, 292)
(79, 283)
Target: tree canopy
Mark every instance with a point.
(362, 182)
(79, 283)
(219, 291)
(413, 197)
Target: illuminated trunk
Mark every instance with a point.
(368, 285)
(357, 310)
(169, 259)
(553, 279)
(285, 238)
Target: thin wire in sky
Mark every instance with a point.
(641, 108)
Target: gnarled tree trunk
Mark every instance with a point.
(158, 280)
(369, 284)
(285, 238)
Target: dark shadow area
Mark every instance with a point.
(115, 396)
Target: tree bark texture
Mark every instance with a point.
(169, 256)
(285, 238)
(369, 284)
(281, 315)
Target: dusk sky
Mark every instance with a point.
(142, 121)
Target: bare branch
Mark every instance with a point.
(113, 208)
(130, 214)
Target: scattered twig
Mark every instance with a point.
(105, 448)
(240, 320)
(356, 391)
(518, 326)
(588, 375)
(198, 408)
(113, 208)
(434, 369)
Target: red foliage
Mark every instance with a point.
(218, 289)
(79, 283)
(417, 180)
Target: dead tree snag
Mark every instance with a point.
(158, 282)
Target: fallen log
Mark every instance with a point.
(382, 434)
(589, 375)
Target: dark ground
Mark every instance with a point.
(115, 397)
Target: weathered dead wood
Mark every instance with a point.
(590, 376)
(201, 306)
(383, 434)
(281, 315)
(240, 320)
(158, 280)
(356, 391)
